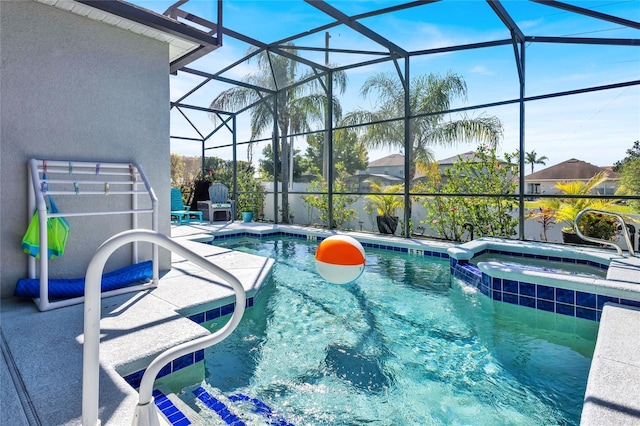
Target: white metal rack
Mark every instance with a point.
(77, 179)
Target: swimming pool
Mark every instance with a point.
(401, 346)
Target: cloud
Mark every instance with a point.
(481, 69)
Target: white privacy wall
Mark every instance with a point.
(76, 89)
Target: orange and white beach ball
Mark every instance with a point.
(340, 259)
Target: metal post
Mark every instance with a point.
(329, 144)
(407, 149)
(274, 149)
(327, 118)
(522, 147)
(235, 167)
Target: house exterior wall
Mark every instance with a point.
(608, 187)
(387, 170)
(76, 89)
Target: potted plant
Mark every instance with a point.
(386, 204)
(250, 203)
(591, 224)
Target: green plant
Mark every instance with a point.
(545, 216)
(251, 193)
(567, 209)
(319, 199)
(387, 202)
(597, 225)
(483, 174)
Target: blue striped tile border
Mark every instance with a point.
(388, 247)
(177, 364)
(170, 411)
(561, 301)
(218, 407)
(218, 312)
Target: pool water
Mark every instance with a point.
(400, 346)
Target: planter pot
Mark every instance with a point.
(247, 216)
(387, 224)
(573, 238)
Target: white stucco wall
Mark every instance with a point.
(76, 89)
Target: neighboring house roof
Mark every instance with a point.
(572, 169)
(389, 160)
(451, 160)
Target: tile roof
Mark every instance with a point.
(571, 169)
(389, 160)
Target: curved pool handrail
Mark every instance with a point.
(145, 413)
(625, 231)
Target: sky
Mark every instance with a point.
(595, 127)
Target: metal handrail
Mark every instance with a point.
(145, 413)
(625, 231)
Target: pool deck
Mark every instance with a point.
(42, 351)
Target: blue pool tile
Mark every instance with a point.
(197, 318)
(527, 289)
(213, 314)
(585, 313)
(227, 309)
(604, 299)
(587, 300)
(497, 283)
(529, 302)
(510, 286)
(171, 410)
(565, 296)
(629, 302)
(546, 305)
(510, 298)
(165, 370)
(134, 379)
(545, 292)
(486, 280)
(563, 309)
(497, 295)
(198, 355)
(183, 361)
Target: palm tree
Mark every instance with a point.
(533, 159)
(297, 106)
(428, 94)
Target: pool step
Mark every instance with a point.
(238, 408)
(175, 411)
(625, 269)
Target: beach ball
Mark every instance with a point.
(340, 259)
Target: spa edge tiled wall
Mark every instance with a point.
(537, 296)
